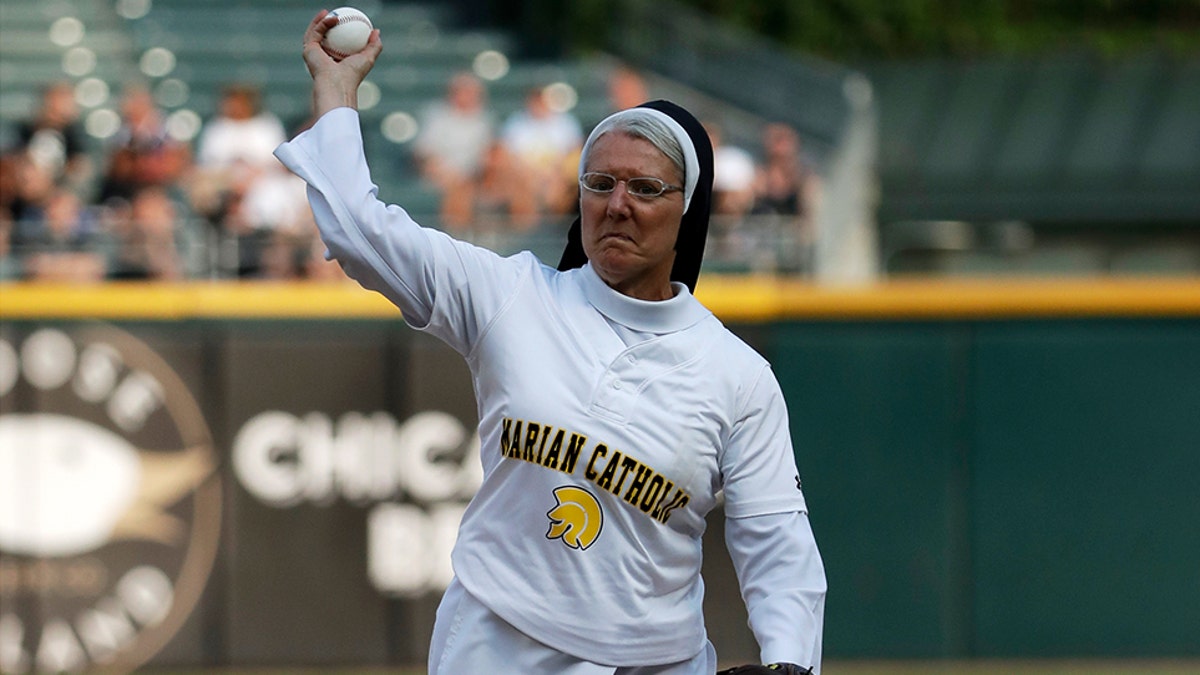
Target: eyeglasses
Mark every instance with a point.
(643, 187)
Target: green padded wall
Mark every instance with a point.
(1001, 489)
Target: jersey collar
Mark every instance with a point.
(663, 316)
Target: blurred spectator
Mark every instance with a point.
(242, 136)
(290, 248)
(10, 267)
(275, 234)
(151, 238)
(48, 147)
(53, 139)
(237, 144)
(282, 257)
(503, 199)
(10, 186)
(25, 186)
(63, 242)
(787, 185)
(626, 89)
(278, 200)
(545, 144)
(143, 154)
(316, 267)
(274, 216)
(299, 254)
(234, 153)
(734, 176)
(455, 135)
(790, 189)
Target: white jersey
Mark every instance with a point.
(601, 458)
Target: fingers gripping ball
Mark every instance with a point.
(349, 35)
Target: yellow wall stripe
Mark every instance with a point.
(734, 299)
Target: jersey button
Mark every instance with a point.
(616, 384)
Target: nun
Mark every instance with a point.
(616, 412)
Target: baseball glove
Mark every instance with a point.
(769, 669)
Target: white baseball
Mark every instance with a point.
(350, 34)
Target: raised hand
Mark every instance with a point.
(336, 81)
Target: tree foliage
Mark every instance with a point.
(913, 28)
(887, 29)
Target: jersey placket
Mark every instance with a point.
(616, 393)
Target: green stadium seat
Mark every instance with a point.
(1171, 154)
(962, 146)
(909, 100)
(1113, 122)
(1047, 109)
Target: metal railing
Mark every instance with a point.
(769, 244)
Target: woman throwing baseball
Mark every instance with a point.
(614, 408)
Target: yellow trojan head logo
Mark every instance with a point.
(577, 519)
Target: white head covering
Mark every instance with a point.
(691, 173)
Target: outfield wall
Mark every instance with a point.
(211, 474)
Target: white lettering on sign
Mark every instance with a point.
(147, 594)
(13, 658)
(429, 440)
(105, 629)
(137, 397)
(99, 369)
(59, 649)
(408, 548)
(264, 459)
(143, 597)
(285, 460)
(430, 460)
(48, 359)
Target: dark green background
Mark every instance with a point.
(1002, 489)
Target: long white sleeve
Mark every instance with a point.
(447, 287)
(783, 585)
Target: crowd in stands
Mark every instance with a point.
(151, 206)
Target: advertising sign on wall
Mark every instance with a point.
(110, 500)
(341, 462)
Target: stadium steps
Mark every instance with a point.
(1175, 127)
(1046, 110)
(263, 50)
(1110, 130)
(64, 40)
(973, 107)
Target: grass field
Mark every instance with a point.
(838, 668)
